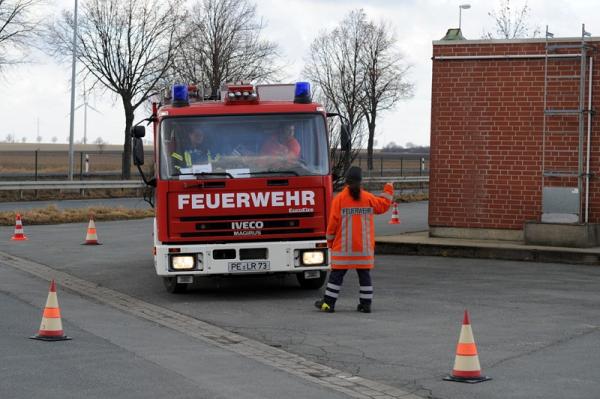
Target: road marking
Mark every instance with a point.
(352, 385)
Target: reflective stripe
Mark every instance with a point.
(344, 234)
(350, 227)
(330, 237)
(177, 156)
(362, 254)
(366, 233)
(50, 313)
(387, 196)
(188, 158)
(333, 286)
(352, 262)
(468, 349)
(366, 288)
(366, 296)
(331, 294)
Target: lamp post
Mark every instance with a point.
(460, 8)
(72, 119)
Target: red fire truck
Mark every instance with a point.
(251, 195)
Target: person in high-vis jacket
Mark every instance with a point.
(351, 239)
(195, 152)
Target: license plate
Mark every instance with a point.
(312, 274)
(256, 266)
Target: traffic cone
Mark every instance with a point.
(51, 328)
(19, 233)
(395, 216)
(466, 364)
(91, 237)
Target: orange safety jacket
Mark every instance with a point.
(351, 228)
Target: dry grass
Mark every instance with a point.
(413, 197)
(31, 195)
(53, 215)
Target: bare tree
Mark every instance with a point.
(511, 23)
(340, 158)
(223, 44)
(16, 29)
(125, 46)
(100, 143)
(385, 81)
(360, 73)
(335, 65)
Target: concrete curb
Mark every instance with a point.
(423, 245)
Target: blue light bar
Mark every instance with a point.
(302, 93)
(180, 95)
(302, 89)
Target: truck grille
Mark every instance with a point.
(244, 226)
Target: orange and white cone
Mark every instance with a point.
(395, 216)
(19, 233)
(466, 364)
(91, 237)
(51, 328)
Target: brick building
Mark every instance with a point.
(509, 127)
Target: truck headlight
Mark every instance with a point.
(183, 262)
(310, 258)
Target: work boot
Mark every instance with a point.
(324, 306)
(364, 307)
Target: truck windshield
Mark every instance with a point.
(217, 147)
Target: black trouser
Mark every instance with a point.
(334, 285)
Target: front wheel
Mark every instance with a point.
(173, 286)
(311, 283)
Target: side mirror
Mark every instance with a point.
(345, 139)
(138, 150)
(138, 131)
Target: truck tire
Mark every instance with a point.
(173, 286)
(311, 283)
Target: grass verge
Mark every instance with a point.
(53, 215)
(412, 197)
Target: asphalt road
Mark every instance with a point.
(536, 325)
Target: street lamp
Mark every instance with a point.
(72, 119)
(460, 8)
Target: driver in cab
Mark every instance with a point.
(194, 151)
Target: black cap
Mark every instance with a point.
(354, 175)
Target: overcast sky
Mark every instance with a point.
(40, 91)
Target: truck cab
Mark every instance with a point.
(242, 185)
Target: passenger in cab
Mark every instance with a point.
(282, 144)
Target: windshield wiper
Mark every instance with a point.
(207, 174)
(272, 172)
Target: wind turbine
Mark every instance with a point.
(85, 106)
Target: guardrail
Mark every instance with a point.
(70, 184)
(93, 184)
(396, 179)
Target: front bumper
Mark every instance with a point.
(281, 256)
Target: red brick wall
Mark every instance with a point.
(486, 135)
